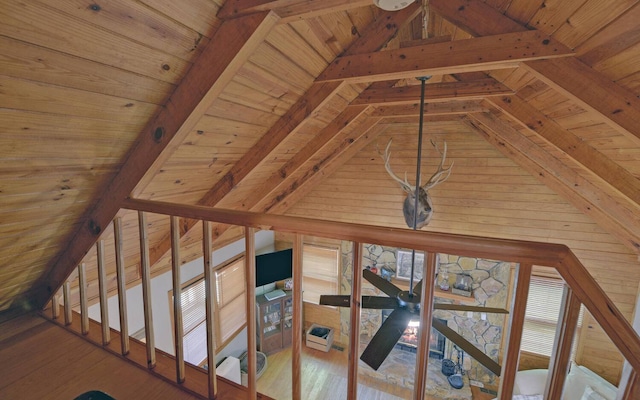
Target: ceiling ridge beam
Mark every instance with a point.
(498, 51)
(584, 195)
(441, 91)
(535, 121)
(375, 36)
(288, 10)
(618, 106)
(230, 47)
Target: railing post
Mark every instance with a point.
(296, 358)
(354, 333)
(55, 307)
(210, 295)
(102, 289)
(146, 290)
(84, 312)
(250, 276)
(178, 329)
(565, 332)
(426, 311)
(512, 354)
(122, 285)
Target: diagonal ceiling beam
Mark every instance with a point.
(573, 78)
(612, 214)
(442, 91)
(535, 121)
(373, 38)
(468, 55)
(229, 48)
(288, 10)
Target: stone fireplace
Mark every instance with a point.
(490, 289)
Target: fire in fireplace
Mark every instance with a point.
(409, 339)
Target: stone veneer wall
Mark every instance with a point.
(490, 289)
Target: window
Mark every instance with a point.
(230, 305)
(541, 317)
(319, 272)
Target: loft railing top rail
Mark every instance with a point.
(535, 253)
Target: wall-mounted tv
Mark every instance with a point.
(272, 267)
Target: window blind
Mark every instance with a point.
(319, 272)
(230, 285)
(541, 316)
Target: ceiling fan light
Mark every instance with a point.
(392, 5)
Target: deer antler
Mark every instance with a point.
(442, 174)
(385, 157)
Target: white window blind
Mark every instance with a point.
(193, 321)
(230, 285)
(541, 317)
(319, 272)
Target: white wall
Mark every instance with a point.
(160, 288)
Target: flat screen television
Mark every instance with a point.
(273, 267)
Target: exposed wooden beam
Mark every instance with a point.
(288, 10)
(611, 213)
(590, 89)
(373, 38)
(535, 121)
(442, 91)
(469, 55)
(445, 108)
(229, 48)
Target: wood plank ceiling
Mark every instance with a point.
(270, 106)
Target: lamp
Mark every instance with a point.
(392, 5)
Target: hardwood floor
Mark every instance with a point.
(324, 376)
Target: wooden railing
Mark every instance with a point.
(580, 288)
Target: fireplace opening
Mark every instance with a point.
(409, 339)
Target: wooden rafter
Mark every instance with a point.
(441, 91)
(288, 10)
(373, 38)
(611, 213)
(469, 55)
(573, 78)
(229, 48)
(441, 108)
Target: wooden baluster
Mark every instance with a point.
(250, 272)
(296, 352)
(354, 334)
(145, 273)
(84, 312)
(122, 286)
(561, 355)
(66, 293)
(102, 288)
(55, 307)
(426, 307)
(178, 328)
(210, 296)
(512, 353)
(632, 389)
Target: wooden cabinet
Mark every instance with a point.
(274, 323)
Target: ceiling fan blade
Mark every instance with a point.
(467, 347)
(389, 288)
(335, 300)
(375, 302)
(417, 289)
(379, 302)
(462, 307)
(387, 336)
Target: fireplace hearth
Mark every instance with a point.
(409, 340)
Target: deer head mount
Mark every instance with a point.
(425, 207)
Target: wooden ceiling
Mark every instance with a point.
(252, 105)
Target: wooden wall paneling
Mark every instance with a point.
(145, 275)
(177, 119)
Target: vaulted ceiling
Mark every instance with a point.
(251, 104)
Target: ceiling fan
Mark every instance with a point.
(405, 306)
